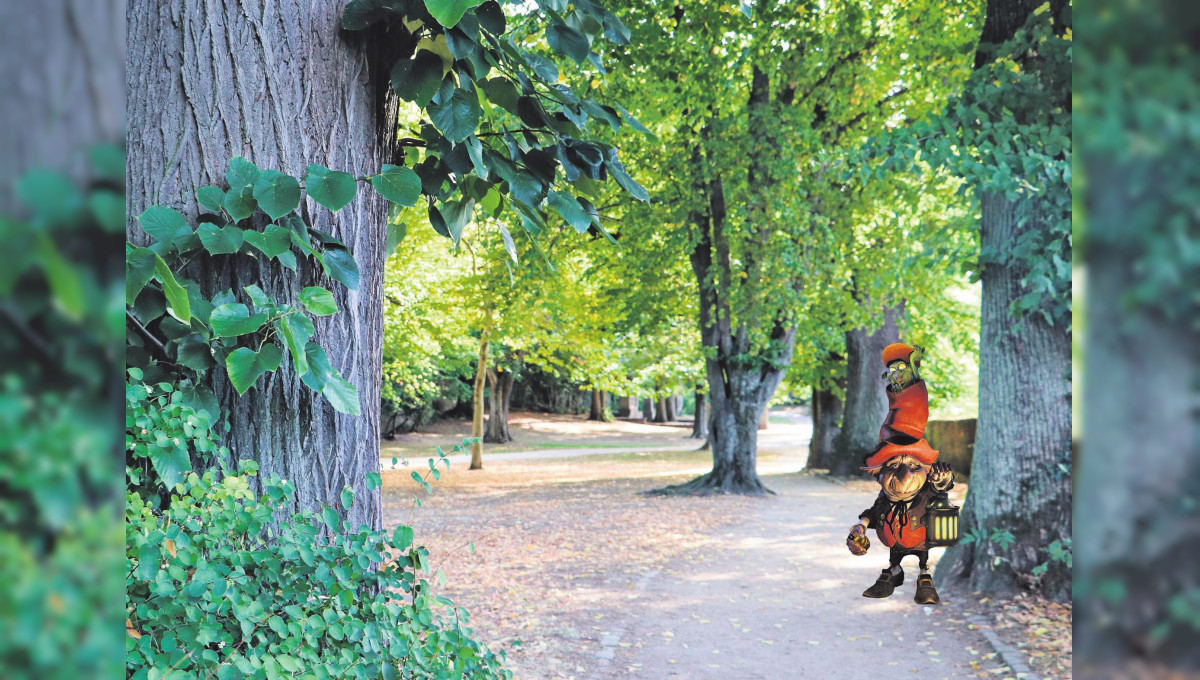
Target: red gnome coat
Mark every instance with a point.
(902, 523)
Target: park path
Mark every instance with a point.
(779, 597)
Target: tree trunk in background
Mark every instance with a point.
(597, 409)
(1024, 433)
(660, 411)
(279, 84)
(865, 405)
(672, 412)
(500, 382)
(826, 417)
(700, 420)
(648, 409)
(1024, 430)
(477, 405)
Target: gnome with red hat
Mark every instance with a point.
(906, 468)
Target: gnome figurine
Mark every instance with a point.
(908, 473)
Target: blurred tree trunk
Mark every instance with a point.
(1024, 430)
(661, 415)
(500, 383)
(672, 412)
(700, 421)
(648, 409)
(826, 417)
(477, 405)
(279, 84)
(866, 403)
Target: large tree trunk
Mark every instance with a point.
(278, 83)
(600, 410)
(826, 417)
(1024, 432)
(669, 408)
(500, 382)
(700, 421)
(866, 403)
(661, 413)
(648, 409)
(477, 404)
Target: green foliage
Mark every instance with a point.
(221, 584)
(1008, 132)
(165, 427)
(246, 339)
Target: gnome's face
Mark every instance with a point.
(902, 477)
(900, 375)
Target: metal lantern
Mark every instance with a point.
(941, 523)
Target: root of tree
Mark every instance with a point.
(710, 485)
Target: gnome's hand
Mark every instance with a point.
(941, 476)
(857, 541)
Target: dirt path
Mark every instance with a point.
(578, 576)
(779, 596)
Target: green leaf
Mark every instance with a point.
(241, 174)
(258, 297)
(51, 195)
(398, 184)
(567, 41)
(194, 353)
(65, 284)
(240, 204)
(318, 301)
(139, 269)
(277, 194)
(509, 245)
(347, 497)
(108, 207)
(341, 267)
(220, 240)
(333, 189)
(457, 117)
(232, 320)
(272, 242)
(177, 297)
(330, 517)
(501, 92)
(402, 537)
(211, 198)
(456, 215)
(448, 12)
(108, 161)
(360, 14)
(395, 236)
(342, 395)
(374, 481)
(296, 329)
(165, 225)
(416, 80)
(617, 169)
(572, 212)
(245, 365)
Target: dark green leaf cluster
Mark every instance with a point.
(222, 585)
(177, 325)
(1009, 133)
(502, 132)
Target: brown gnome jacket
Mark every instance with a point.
(902, 523)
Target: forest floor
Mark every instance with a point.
(577, 575)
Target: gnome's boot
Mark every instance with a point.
(926, 593)
(886, 584)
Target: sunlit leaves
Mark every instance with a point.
(318, 300)
(448, 12)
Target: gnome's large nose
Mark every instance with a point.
(902, 474)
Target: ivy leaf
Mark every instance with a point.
(165, 225)
(572, 212)
(240, 204)
(448, 12)
(318, 300)
(277, 194)
(241, 174)
(139, 269)
(176, 296)
(245, 365)
(220, 241)
(272, 242)
(234, 319)
(402, 537)
(457, 116)
(211, 198)
(398, 184)
(340, 266)
(296, 329)
(333, 189)
(567, 41)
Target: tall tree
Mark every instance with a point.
(865, 404)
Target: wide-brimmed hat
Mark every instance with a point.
(920, 449)
(895, 351)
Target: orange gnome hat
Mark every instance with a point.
(897, 350)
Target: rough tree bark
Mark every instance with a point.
(866, 403)
(500, 383)
(742, 376)
(278, 83)
(700, 420)
(477, 404)
(827, 418)
(1024, 429)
